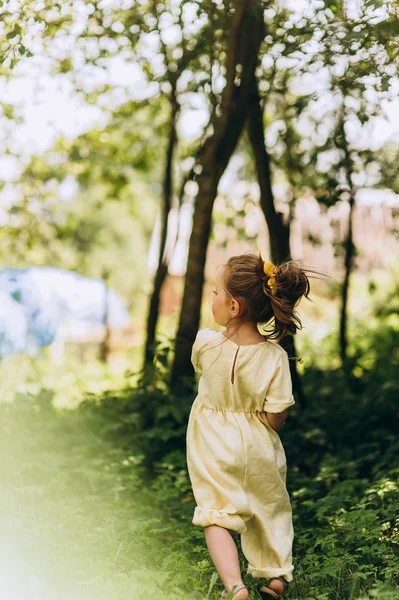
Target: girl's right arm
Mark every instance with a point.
(277, 420)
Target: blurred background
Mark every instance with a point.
(142, 143)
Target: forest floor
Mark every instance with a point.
(95, 502)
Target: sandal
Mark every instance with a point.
(267, 591)
(236, 588)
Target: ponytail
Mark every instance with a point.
(290, 283)
(268, 293)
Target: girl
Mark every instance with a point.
(235, 458)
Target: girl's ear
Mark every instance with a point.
(235, 308)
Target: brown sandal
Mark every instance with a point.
(230, 595)
(266, 592)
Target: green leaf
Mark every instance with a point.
(14, 32)
(212, 583)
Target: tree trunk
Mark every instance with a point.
(162, 269)
(349, 254)
(349, 247)
(279, 232)
(246, 34)
(106, 341)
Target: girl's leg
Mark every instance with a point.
(224, 554)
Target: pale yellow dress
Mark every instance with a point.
(236, 461)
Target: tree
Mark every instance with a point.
(355, 54)
(279, 232)
(213, 53)
(181, 59)
(361, 62)
(246, 29)
(176, 47)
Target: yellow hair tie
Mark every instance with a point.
(271, 271)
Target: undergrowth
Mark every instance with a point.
(96, 501)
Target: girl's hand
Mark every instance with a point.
(277, 420)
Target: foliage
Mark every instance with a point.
(79, 205)
(102, 495)
(326, 72)
(389, 160)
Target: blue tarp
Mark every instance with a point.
(13, 326)
(35, 302)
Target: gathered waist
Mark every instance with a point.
(225, 409)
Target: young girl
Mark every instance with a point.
(235, 458)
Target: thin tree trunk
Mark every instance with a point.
(349, 246)
(279, 232)
(246, 34)
(105, 345)
(162, 269)
(349, 254)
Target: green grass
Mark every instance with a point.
(79, 523)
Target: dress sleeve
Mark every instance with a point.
(199, 342)
(279, 393)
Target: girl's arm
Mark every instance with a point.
(276, 420)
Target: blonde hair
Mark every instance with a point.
(246, 281)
